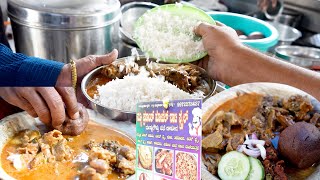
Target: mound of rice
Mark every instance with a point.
(168, 36)
(124, 94)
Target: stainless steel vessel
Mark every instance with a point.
(121, 115)
(299, 55)
(65, 29)
(287, 34)
(130, 14)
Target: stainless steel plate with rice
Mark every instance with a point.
(187, 80)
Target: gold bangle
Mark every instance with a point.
(73, 74)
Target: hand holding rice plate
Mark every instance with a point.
(167, 32)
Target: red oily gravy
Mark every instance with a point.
(66, 170)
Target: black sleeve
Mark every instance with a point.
(3, 38)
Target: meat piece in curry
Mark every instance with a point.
(34, 150)
(273, 166)
(225, 131)
(184, 76)
(29, 151)
(120, 69)
(107, 156)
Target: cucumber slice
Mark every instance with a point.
(257, 169)
(234, 166)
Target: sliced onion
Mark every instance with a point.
(253, 147)
(254, 142)
(240, 148)
(254, 136)
(263, 151)
(251, 153)
(261, 142)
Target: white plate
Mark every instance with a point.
(272, 89)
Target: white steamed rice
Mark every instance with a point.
(169, 36)
(124, 94)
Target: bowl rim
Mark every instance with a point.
(83, 89)
(283, 47)
(296, 31)
(126, 35)
(86, 77)
(274, 32)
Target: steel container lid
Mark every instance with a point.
(64, 14)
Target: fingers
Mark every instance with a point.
(259, 3)
(55, 105)
(25, 105)
(10, 95)
(274, 3)
(263, 4)
(69, 98)
(37, 102)
(107, 59)
(218, 23)
(86, 64)
(203, 28)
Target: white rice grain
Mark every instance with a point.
(124, 94)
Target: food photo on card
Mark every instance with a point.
(169, 139)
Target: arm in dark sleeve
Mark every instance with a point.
(20, 70)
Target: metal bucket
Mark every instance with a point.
(63, 30)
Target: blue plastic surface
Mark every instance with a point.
(248, 25)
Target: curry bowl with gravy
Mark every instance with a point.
(31, 151)
(276, 125)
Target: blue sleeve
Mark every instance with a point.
(20, 70)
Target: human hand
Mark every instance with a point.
(217, 40)
(48, 103)
(84, 66)
(264, 4)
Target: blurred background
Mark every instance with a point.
(296, 21)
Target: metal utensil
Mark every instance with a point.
(299, 55)
(289, 17)
(63, 30)
(130, 14)
(315, 40)
(117, 114)
(287, 34)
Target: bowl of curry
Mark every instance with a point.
(265, 113)
(29, 150)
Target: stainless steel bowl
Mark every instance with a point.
(117, 114)
(287, 34)
(299, 55)
(130, 14)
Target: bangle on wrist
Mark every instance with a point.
(73, 74)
